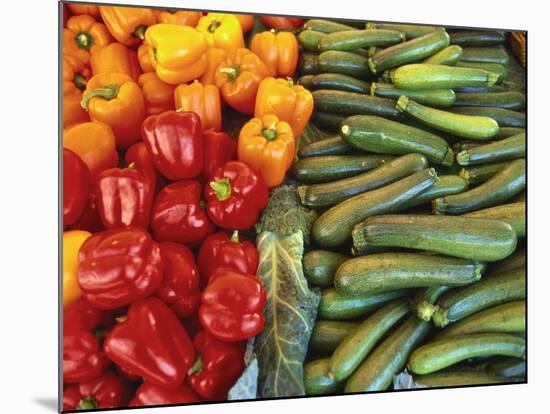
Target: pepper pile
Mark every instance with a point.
(160, 291)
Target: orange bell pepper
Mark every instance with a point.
(279, 51)
(214, 56)
(204, 100)
(88, 36)
(221, 30)
(116, 58)
(268, 146)
(73, 113)
(144, 58)
(74, 81)
(238, 78)
(94, 143)
(246, 21)
(182, 17)
(178, 53)
(127, 24)
(291, 103)
(115, 99)
(91, 9)
(72, 240)
(158, 96)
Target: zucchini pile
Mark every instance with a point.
(419, 183)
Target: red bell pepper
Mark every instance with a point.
(124, 197)
(282, 22)
(232, 305)
(117, 267)
(81, 316)
(151, 343)
(225, 250)
(150, 394)
(139, 155)
(174, 140)
(178, 216)
(219, 148)
(235, 196)
(180, 286)
(217, 367)
(106, 391)
(82, 356)
(76, 180)
(89, 219)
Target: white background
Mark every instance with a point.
(28, 204)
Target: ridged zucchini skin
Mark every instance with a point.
(457, 379)
(328, 121)
(334, 81)
(409, 51)
(327, 335)
(490, 291)
(382, 136)
(427, 76)
(333, 145)
(310, 39)
(390, 271)
(334, 226)
(464, 237)
(355, 347)
(479, 174)
(445, 352)
(508, 367)
(316, 378)
(504, 117)
(496, 68)
(388, 358)
(411, 31)
(320, 266)
(339, 307)
(504, 185)
(326, 26)
(350, 40)
(466, 126)
(448, 56)
(350, 103)
(512, 213)
(431, 97)
(507, 100)
(446, 185)
(347, 63)
(328, 168)
(423, 303)
(506, 149)
(477, 37)
(330, 194)
(494, 54)
(508, 317)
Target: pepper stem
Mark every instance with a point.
(80, 81)
(235, 237)
(87, 403)
(140, 32)
(269, 133)
(197, 366)
(232, 72)
(84, 40)
(290, 82)
(121, 319)
(222, 188)
(213, 26)
(108, 92)
(132, 165)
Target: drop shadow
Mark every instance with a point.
(49, 403)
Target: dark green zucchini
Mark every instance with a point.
(503, 150)
(446, 185)
(333, 145)
(508, 367)
(326, 335)
(448, 56)
(316, 378)
(494, 54)
(326, 120)
(477, 37)
(310, 39)
(457, 379)
(507, 100)
(334, 81)
(308, 63)
(505, 132)
(326, 26)
(504, 117)
(320, 266)
(347, 63)
(499, 70)
(355, 39)
(431, 97)
(349, 103)
(513, 214)
(411, 31)
(479, 174)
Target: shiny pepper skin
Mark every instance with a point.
(76, 180)
(150, 394)
(106, 391)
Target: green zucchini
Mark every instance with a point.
(333, 145)
(355, 39)
(502, 186)
(520, 198)
(505, 318)
(479, 174)
(308, 63)
(320, 266)
(334, 81)
(465, 145)
(350, 103)
(490, 291)
(310, 39)
(327, 335)
(464, 237)
(431, 97)
(326, 26)
(411, 31)
(356, 346)
(448, 56)
(506, 132)
(409, 51)
(388, 358)
(428, 76)
(445, 352)
(504, 117)
(316, 378)
(347, 63)
(507, 367)
(334, 167)
(496, 68)
(495, 54)
(477, 37)
(329, 194)
(457, 379)
(390, 271)
(503, 150)
(481, 89)
(336, 306)
(513, 214)
(467, 126)
(334, 226)
(512, 262)
(507, 100)
(379, 135)
(330, 122)
(446, 185)
(423, 303)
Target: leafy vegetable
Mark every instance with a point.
(290, 314)
(245, 388)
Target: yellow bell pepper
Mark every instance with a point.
(222, 31)
(72, 240)
(178, 53)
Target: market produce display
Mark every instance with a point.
(267, 206)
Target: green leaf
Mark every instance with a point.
(246, 387)
(290, 314)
